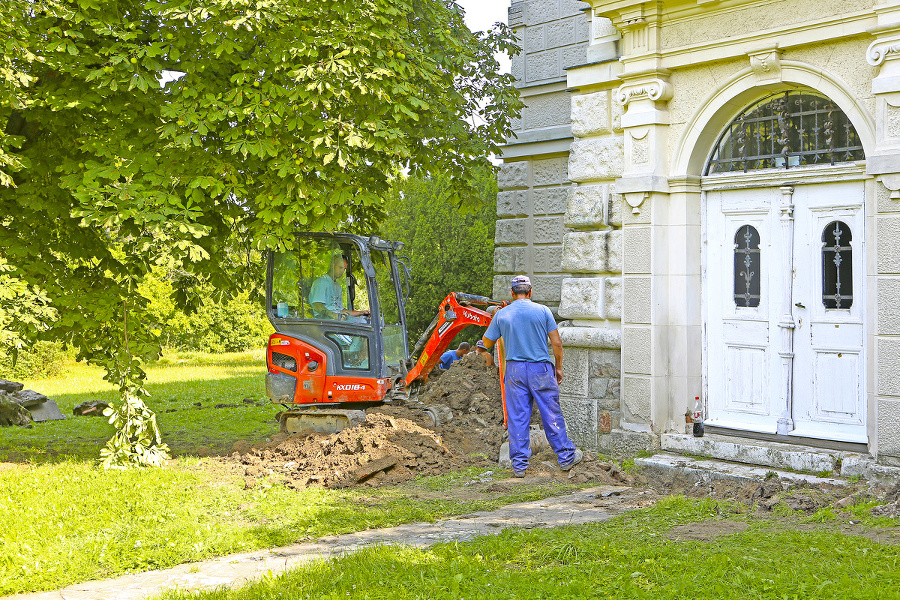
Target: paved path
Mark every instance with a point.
(585, 506)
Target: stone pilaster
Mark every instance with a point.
(884, 162)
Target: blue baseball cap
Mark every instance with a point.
(520, 280)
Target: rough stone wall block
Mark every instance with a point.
(540, 11)
(582, 298)
(614, 250)
(546, 110)
(547, 259)
(510, 260)
(586, 252)
(544, 288)
(513, 204)
(591, 114)
(595, 159)
(548, 230)
(616, 202)
(576, 365)
(550, 201)
(513, 175)
(549, 171)
(612, 299)
(510, 231)
(581, 420)
(586, 206)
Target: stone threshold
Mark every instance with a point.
(705, 470)
(779, 455)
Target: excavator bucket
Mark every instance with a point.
(323, 420)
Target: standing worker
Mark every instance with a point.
(530, 376)
(451, 356)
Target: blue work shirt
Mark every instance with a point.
(448, 358)
(524, 326)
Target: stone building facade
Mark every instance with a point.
(707, 194)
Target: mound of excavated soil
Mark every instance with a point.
(396, 443)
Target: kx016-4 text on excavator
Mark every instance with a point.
(337, 303)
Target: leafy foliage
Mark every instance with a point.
(284, 114)
(229, 325)
(136, 441)
(24, 310)
(450, 250)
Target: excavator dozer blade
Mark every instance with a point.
(324, 420)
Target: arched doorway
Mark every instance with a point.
(784, 271)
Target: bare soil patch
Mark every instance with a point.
(398, 443)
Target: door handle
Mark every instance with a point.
(799, 305)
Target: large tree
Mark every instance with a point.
(277, 114)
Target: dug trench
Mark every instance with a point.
(396, 444)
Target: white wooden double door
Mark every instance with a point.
(784, 303)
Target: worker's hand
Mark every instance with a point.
(558, 374)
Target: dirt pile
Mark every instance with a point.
(396, 443)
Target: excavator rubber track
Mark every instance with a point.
(323, 420)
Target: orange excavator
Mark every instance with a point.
(338, 306)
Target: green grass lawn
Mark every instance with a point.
(185, 389)
(63, 519)
(631, 556)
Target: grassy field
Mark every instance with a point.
(185, 389)
(64, 520)
(637, 555)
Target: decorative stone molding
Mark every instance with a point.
(656, 89)
(635, 199)
(766, 64)
(892, 182)
(640, 146)
(883, 49)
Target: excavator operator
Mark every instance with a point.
(326, 294)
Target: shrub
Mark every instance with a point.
(44, 359)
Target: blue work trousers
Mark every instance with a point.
(534, 381)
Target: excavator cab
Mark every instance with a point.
(338, 308)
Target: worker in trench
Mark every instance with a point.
(451, 356)
(482, 351)
(530, 377)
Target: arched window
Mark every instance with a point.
(746, 267)
(837, 266)
(788, 129)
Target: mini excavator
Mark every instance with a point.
(337, 303)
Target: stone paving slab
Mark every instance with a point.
(238, 569)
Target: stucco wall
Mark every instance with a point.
(742, 20)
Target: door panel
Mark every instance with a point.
(741, 372)
(760, 369)
(829, 363)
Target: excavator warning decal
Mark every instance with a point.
(423, 358)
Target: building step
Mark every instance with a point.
(669, 465)
(779, 455)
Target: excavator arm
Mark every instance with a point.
(456, 312)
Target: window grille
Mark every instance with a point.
(746, 267)
(837, 266)
(788, 129)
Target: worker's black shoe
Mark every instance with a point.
(579, 456)
(518, 473)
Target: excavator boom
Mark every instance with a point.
(455, 313)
